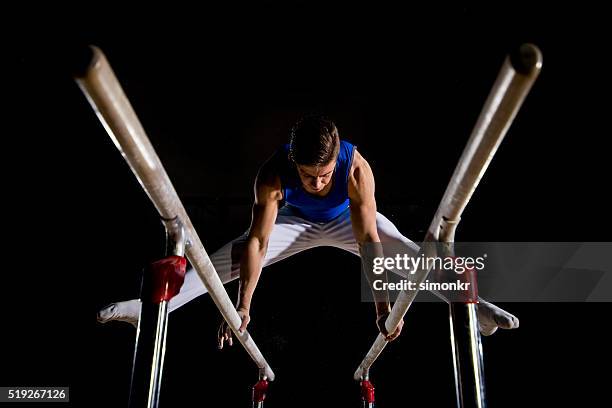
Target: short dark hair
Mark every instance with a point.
(314, 141)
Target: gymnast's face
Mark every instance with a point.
(316, 179)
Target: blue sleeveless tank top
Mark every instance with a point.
(311, 207)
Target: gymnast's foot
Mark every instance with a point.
(128, 311)
(491, 317)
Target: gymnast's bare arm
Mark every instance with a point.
(265, 208)
(363, 219)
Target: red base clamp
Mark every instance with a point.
(469, 277)
(367, 391)
(259, 391)
(168, 275)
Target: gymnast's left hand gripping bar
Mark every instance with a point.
(103, 91)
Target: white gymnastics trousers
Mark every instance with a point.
(290, 235)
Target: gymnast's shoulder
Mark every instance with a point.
(360, 180)
(268, 180)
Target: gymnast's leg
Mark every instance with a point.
(340, 234)
(290, 235)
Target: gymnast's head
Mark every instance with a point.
(313, 148)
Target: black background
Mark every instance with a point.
(217, 90)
